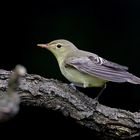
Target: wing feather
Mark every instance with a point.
(101, 61)
(107, 71)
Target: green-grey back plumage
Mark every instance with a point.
(84, 67)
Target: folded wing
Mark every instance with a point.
(100, 68)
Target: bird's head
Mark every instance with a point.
(59, 48)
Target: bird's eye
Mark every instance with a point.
(59, 45)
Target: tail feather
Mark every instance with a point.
(134, 79)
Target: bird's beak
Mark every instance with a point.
(43, 45)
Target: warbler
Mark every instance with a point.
(86, 69)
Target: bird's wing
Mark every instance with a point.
(99, 67)
(101, 61)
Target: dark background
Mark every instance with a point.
(109, 28)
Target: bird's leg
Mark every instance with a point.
(99, 94)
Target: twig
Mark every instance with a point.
(9, 102)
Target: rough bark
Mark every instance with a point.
(37, 91)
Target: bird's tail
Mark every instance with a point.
(133, 79)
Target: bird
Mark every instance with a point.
(86, 69)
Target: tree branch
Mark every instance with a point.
(37, 91)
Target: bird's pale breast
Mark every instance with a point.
(80, 78)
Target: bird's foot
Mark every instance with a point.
(95, 102)
(72, 86)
